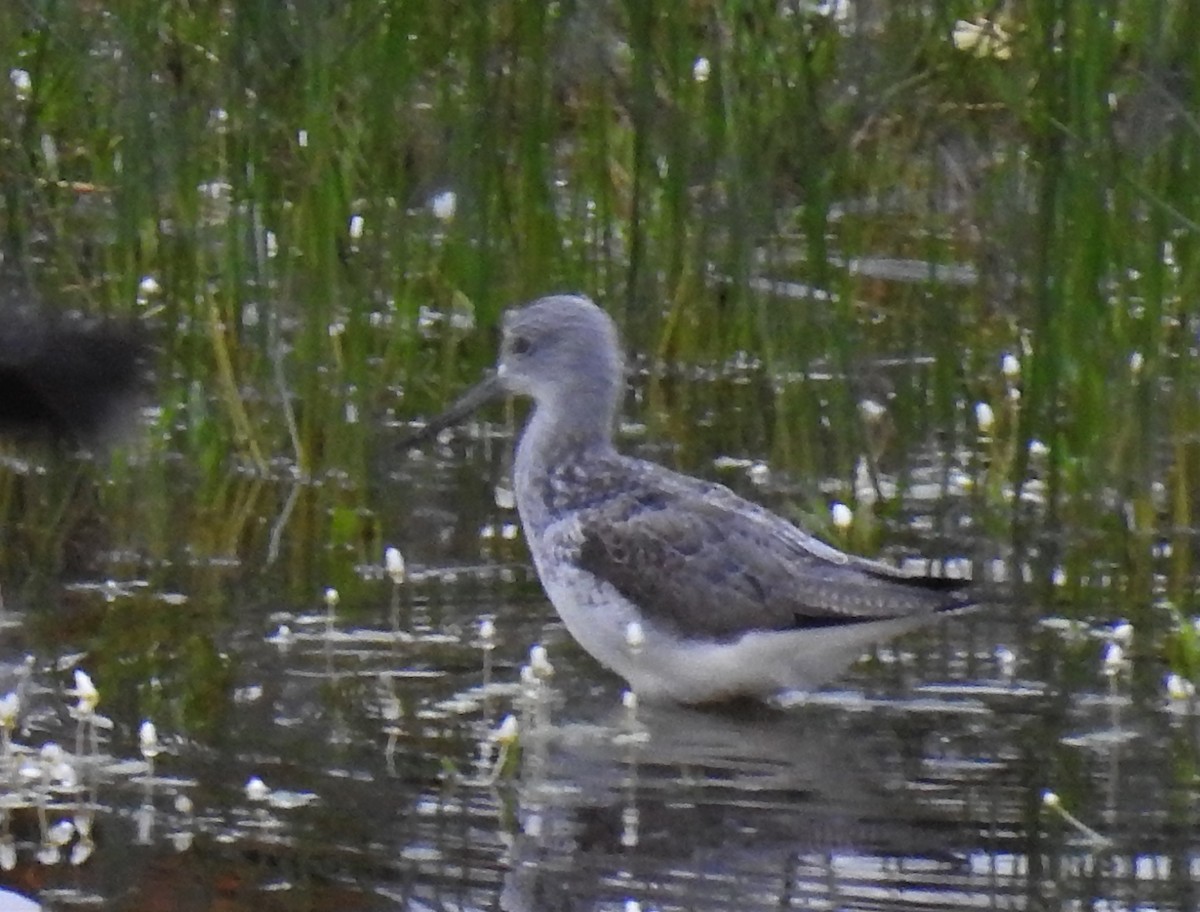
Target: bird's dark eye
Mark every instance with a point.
(520, 345)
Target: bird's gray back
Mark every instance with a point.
(703, 562)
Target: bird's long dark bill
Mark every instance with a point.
(484, 391)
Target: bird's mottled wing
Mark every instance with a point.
(718, 566)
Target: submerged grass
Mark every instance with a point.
(728, 177)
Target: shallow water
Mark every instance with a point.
(915, 782)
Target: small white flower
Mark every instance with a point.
(1136, 362)
(256, 789)
(759, 473)
(10, 708)
(148, 286)
(444, 205)
(272, 244)
(539, 663)
(390, 707)
(393, 562)
(629, 700)
(635, 636)
(302, 138)
(148, 740)
(701, 69)
(356, 227)
(504, 497)
(1007, 660)
(871, 410)
(1114, 660)
(507, 731)
(487, 632)
(22, 82)
(985, 419)
(1010, 366)
(1051, 802)
(1178, 687)
(60, 833)
(332, 598)
(1038, 450)
(86, 693)
(843, 516)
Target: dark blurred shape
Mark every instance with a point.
(70, 380)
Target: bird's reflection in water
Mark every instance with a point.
(747, 808)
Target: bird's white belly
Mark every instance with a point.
(669, 665)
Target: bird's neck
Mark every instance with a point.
(558, 437)
(566, 428)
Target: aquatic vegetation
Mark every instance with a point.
(63, 790)
(506, 737)
(1052, 803)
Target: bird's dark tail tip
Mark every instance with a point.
(956, 594)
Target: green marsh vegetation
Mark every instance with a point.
(320, 207)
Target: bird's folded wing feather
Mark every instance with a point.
(718, 567)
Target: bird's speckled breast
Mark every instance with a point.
(551, 495)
